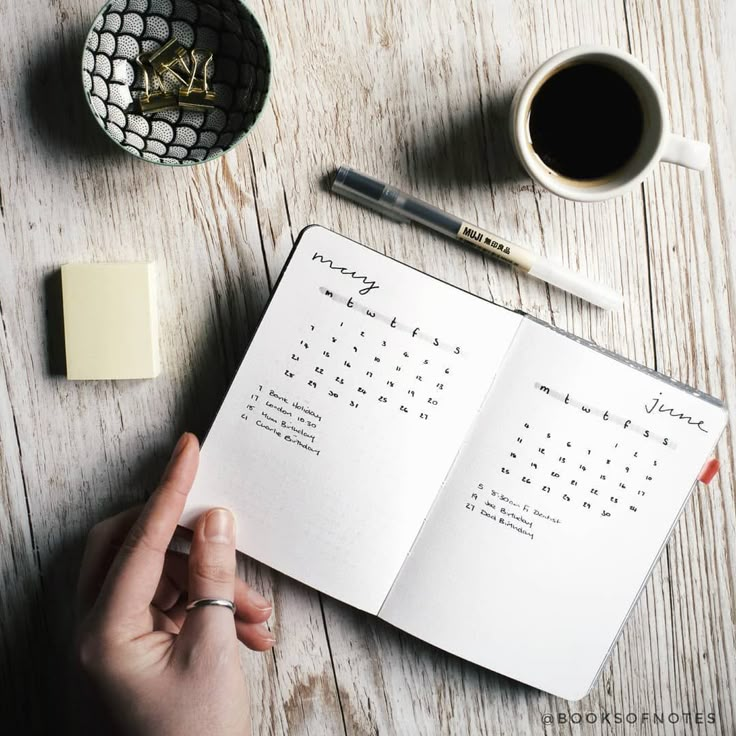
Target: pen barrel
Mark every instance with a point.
(492, 245)
(573, 283)
(423, 213)
(525, 260)
(403, 207)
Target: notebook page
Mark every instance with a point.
(554, 512)
(346, 414)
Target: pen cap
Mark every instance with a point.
(368, 191)
(574, 283)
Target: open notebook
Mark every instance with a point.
(471, 475)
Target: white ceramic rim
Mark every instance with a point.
(600, 189)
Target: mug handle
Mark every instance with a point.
(686, 152)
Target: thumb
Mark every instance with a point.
(211, 575)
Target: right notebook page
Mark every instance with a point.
(555, 510)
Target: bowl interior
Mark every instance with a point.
(112, 79)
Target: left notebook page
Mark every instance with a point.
(346, 414)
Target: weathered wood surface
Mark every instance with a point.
(415, 91)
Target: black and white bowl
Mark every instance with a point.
(113, 80)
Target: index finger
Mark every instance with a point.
(135, 573)
(103, 542)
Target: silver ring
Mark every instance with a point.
(201, 602)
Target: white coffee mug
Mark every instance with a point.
(657, 142)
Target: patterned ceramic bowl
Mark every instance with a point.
(113, 80)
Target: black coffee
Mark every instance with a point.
(586, 121)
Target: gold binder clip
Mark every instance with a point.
(168, 57)
(194, 96)
(151, 100)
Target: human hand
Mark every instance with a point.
(158, 669)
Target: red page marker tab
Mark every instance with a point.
(709, 470)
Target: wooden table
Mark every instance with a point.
(415, 91)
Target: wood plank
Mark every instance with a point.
(691, 231)
(92, 449)
(19, 683)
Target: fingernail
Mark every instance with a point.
(258, 600)
(180, 445)
(219, 526)
(267, 634)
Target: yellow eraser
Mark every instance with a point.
(110, 320)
